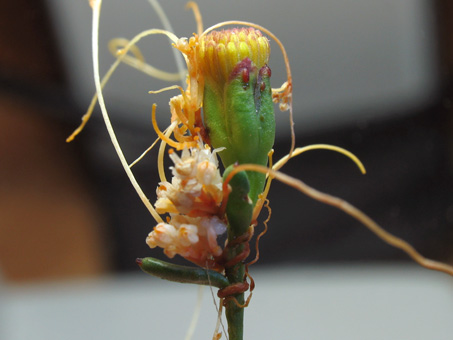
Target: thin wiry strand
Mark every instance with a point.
(160, 157)
(144, 153)
(86, 117)
(167, 133)
(176, 107)
(262, 198)
(167, 26)
(97, 81)
(195, 315)
(113, 68)
(181, 70)
(180, 115)
(303, 149)
(219, 310)
(265, 223)
(168, 88)
(297, 152)
(183, 119)
(217, 335)
(252, 287)
(138, 62)
(345, 207)
(168, 140)
(198, 18)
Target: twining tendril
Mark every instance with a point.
(160, 157)
(95, 43)
(348, 209)
(297, 152)
(258, 238)
(169, 141)
(114, 66)
(198, 18)
(137, 61)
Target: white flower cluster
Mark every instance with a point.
(196, 186)
(194, 238)
(192, 199)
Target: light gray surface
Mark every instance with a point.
(368, 303)
(351, 59)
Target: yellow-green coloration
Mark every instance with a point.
(221, 51)
(238, 110)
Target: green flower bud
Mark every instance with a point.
(237, 103)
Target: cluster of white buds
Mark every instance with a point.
(192, 199)
(196, 185)
(194, 238)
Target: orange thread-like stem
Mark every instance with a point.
(348, 209)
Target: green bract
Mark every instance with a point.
(239, 115)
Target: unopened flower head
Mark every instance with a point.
(238, 111)
(221, 51)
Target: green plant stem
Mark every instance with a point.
(239, 212)
(235, 314)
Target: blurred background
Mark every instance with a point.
(374, 77)
(369, 76)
